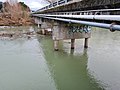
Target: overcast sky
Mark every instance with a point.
(33, 4)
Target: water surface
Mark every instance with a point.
(32, 64)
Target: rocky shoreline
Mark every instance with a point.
(14, 32)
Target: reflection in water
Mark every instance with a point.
(104, 57)
(72, 51)
(68, 70)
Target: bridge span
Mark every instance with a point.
(75, 23)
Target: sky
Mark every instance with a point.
(33, 4)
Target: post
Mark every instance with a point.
(72, 43)
(56, 42)
(43, 31)
(38, 25)
(86, 43)
(55, 35)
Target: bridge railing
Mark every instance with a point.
(54, 4)
(89, 12)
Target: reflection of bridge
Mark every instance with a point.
(71, 20)
(69, 70)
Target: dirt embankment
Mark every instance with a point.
(7, 20)
(16, 14)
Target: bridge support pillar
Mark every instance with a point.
(55, 35)
(56, 42)
(45, 27)
(38, 25)
(72, 43)
(86, 43)
(43, 32)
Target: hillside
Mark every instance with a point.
(17, 14)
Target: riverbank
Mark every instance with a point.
(14, 32)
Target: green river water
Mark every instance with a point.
(32, 64)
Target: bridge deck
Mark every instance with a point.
(85, 5)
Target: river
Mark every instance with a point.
(32, 64)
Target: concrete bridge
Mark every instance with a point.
(70, 19)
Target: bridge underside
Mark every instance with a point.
(86, 5)
(72, 20)
(64, 31)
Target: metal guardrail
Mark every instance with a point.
(87, 12)
(54, 4)
(65, 2)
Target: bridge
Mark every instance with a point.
(69, 19)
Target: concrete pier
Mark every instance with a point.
(56, 42)
(86, 43)
(43, 32)
(38, 25)
(62, 31)
(72, 43)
